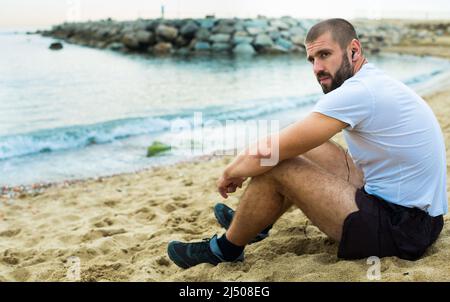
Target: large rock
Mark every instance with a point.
(202, 34)
(285, 34)
(263, 40)
(307, 24)
(114, 32)
(162, 48)
(207, 23)
(189, 30)
(289, 21)
(220, 38)
(279, 24)
(271, 29)
(299, 49)
(423, 34)
(116, 46)
(181, 41)
(284, 43)
(101, 44)
(297, 31)
(238, 39)
(223, 29)
(183, 51)
(144, 37)
(260, 23)
(220, 47)
(275, 50)
(239, 26)
(56, 46)
(151, 25)
(227, 22)
(101, 33)
(241, 33)
(244, 49)
(130, 41)
(168, 33)
(274, 35)
(298, 40)
(177, 23)
(253, 31)
(202, 46)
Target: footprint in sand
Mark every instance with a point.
(10, 233)
(11, 260)
(94, 234)
(10, 257)
(173, 221)
(21, 274)
(162, 261)
(315, 245)
(186, 224)
(107, 272)
(176, 202)
(181, 205)
(152, 202)
(193, 217)
(179, 197)
(145, 214)
(104, 223)
(111, 232)
(188, 182)
(169, 207)
(111, 203)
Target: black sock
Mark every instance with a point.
(229, 250)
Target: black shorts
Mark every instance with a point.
(383, 229)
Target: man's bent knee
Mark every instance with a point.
(289, 165)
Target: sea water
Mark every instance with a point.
(82, 112)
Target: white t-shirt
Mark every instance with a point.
(394, 137)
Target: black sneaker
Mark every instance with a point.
(224, 216)
(186, 255)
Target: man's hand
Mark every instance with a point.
(227, 185)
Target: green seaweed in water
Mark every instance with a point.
(156, 148)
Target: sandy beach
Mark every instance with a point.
(117, 228)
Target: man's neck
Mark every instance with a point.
(359, 64)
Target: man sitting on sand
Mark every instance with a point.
(384, 197)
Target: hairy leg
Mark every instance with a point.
(326, 196)
(334, 159)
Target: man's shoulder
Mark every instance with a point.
(352, 88)
(360, 88)
(369, 73)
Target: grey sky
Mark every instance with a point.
(21, 13)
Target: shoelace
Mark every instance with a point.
(200, 247)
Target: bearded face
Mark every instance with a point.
(330, 82)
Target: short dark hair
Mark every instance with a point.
(341, 30)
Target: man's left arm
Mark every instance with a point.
(293, 141)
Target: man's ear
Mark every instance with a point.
(354, 49)
(354, 54)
